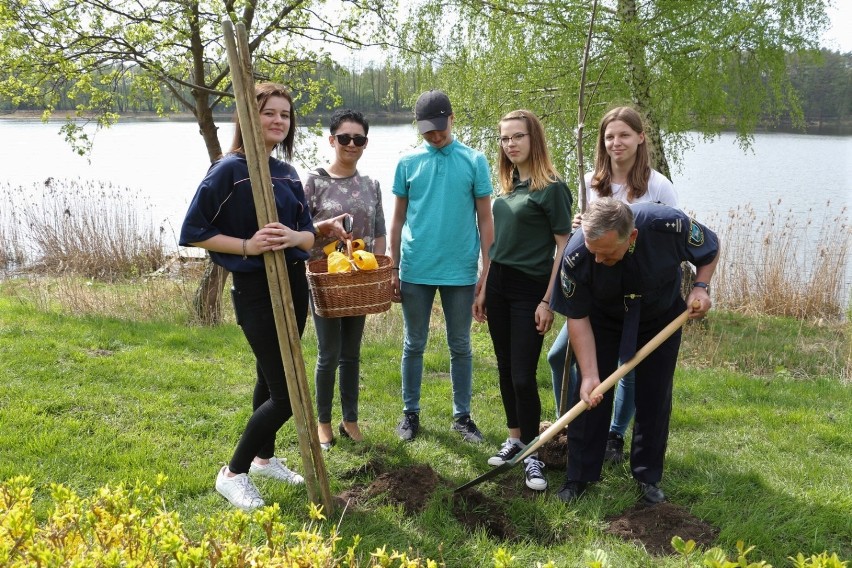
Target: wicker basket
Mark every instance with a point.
(354, 293)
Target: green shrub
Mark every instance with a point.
(129, 526)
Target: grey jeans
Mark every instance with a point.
(339, 350)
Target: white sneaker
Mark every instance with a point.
(534, 474)
(277, 470)
(238, 490)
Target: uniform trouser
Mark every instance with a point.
(511, 298)
(587, 434)
(624, 409)
(339, 346)
(270, 401)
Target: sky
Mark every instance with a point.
(839, 36)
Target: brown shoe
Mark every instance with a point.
(351, 430)
(325, 435)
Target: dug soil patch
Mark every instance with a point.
(654, 526)
(554, 452)
(412, 488)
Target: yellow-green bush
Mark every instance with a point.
(129, 526)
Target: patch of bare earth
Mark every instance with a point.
(654, 526)
(554, 452)
(412, 488)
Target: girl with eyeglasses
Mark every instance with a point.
(222, 219)
(532, 221)
(333, 193)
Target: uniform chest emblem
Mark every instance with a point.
(696, 234)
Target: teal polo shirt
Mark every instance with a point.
(440, 237)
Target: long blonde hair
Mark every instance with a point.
(542, 172)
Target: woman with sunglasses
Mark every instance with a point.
(222, 219)
(333, 193)
(532, 220)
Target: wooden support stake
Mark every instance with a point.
(239, 58)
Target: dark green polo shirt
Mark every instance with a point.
(524, 224)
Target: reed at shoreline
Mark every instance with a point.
(100, 232)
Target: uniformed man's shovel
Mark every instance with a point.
(578, 408)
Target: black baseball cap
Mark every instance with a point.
(432, 111)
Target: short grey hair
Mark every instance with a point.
(607, 214)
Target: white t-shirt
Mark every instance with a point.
(659, 189)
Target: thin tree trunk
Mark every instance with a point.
(639, 80)
(208, 296)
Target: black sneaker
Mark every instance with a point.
(614, 453)
(571, 491)
(534, 474)
(466, 427)
(507, 451)
(408, 427)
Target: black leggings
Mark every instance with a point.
(511, 298)
(271, 401)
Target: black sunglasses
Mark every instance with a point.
(345, 139)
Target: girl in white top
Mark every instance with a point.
(622, 171)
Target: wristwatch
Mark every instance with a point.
(704, 285)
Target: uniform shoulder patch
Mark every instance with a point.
(696, 234)
(574, 253)
(667, 224)
(567, 284)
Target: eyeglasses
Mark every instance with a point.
(516, 138)
(345, 139)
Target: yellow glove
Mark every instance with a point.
(365, 260)
(337, 262)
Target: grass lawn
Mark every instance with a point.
(760, 444)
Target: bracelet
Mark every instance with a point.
(245, 256)
(395, 268)
(546, 306)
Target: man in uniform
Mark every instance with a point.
(620, 286)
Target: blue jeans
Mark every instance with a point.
(339, 350)
(624, 407)
(457, 302)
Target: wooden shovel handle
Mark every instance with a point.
(607, 384)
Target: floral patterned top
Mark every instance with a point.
(357, 195)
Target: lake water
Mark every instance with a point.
(165, 160)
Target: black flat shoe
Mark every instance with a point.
(571, 491)
(651, 493)
(343, 431)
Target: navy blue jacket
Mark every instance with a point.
(223, 204)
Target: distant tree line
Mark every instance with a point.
(822, 81)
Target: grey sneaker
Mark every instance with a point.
(238, 490)
(534, 474)
(408, 427)
(467, 428)
(507, 451)
(276, 470)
